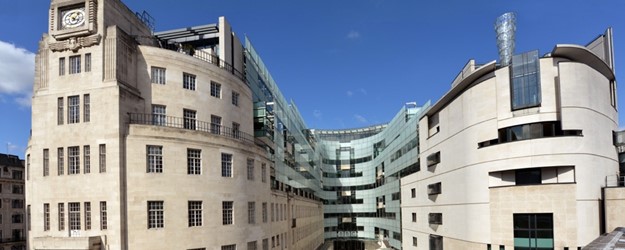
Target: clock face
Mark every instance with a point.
(72, 18)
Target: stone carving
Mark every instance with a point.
(76, 43)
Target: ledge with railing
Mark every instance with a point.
(615, 181)
(190, 124)
(207, 57)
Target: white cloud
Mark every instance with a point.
(360, 118)
(353, 34)
(317, 114)
(350, 93)
(17, 71)
(363, 91)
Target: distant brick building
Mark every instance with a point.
(12, 211)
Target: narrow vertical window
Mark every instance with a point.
(60, 162)
(88, 62)
(158, 75)
(73, 109)
(61, 216)
(154, 158)
(613, 93)
(525, 80)
(251, 212)
(62, 66)
(195, 213)
(87, 107)
(73, 160)
(74, 64)
(59, 111)
(87, 215)
(87, 158)
(102, 158)
(189, 118)
(226, 165)
(215, 89)
(46, 162)
(155, 214)
(227, 212)
(188, 81)
(236, 130)
(28, 167)
(194, 161)
(215, 124)
(28, 216)
(263, 172)
(235, 98)
(74, 215)
(250, 169)
(159, 113)
(103, 216)
(264, 208)
(46, 217)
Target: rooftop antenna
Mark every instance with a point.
(505, 27)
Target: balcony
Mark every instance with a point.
(207, 57)
(190, 124)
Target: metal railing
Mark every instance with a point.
(207, 57)
(615, 181)
(190, 124)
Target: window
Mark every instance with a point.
(74, 64)
(263, 172)
(103, 216)
(533, 231)
(215, 124)
(265, 244)
(215, 89)
(236, 130)
(414, 217)
(88, 62)
(264, 212)
(188, 81)
(155, 158)
(18, 189)
(413, 193)
(613, 93)
(62, 66)
(251, 245)
(434, 189)
(59, 111)
(73, 160)
(17, 203)
(155, 214)
(436, 242)
(74, 215)
(194, 161)
(46, 217)
(250, 169)
(195, 213)
(433, 159)
(73, 109)
(159, 113)
(272, 213)
(525, 80)
(27, 167)
(87, 215)
(414, 241)
(87, 107)
(227, 212)
(529, 176)
(251, 212)
(46, 162)
(189, 118)
(87, 158)
(158, 75)
(102, 158)
(28, 217)
(60, 158)
(435, 218)
(235, 98)
(226, 165)
(61, 216)
(17, 218)
(397, 236)
(229, 247)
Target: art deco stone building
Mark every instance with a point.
(145, 140)
(12, 209)
(517, 157)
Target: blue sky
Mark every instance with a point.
(344, 63)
